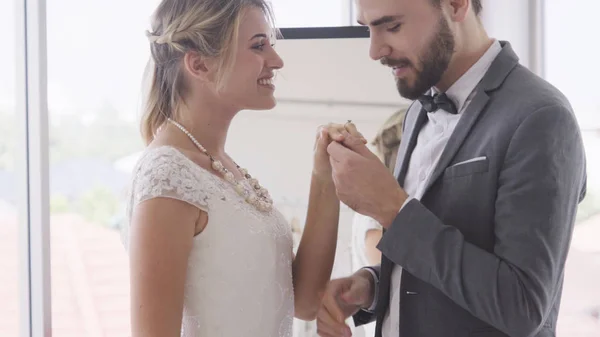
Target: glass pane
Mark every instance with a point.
(570, 65)
(354, 14)
(94, 88)
(9, 250)
(311, 13)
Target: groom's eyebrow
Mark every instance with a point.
(382, 20)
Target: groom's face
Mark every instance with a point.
(413, 37)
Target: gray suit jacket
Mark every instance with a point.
(483, 251)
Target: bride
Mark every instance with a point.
(209, 254)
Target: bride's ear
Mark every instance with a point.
(199, 67)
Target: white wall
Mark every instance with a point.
(517, 21)
(334, 69)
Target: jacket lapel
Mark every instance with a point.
(493, 79)
(415, 119)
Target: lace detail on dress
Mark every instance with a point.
(165, 173)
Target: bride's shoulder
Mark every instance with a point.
(162, 153)
(166, 157)
(167, 171)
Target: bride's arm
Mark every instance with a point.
(314, 260)
(161, 234)
(316, 252)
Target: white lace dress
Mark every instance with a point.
(239, 276)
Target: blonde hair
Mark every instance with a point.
(388, 139)
(208, 27)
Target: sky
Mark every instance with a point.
(97, 52)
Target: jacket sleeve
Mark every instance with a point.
(365, 316)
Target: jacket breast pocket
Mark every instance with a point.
(467, 168)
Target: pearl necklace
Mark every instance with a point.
(258, 198)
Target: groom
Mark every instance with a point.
(479, 215)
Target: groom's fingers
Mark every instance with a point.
(338, 152)
(328, 326)
(333, 308)
(340, 132)
(351, 128)
(351, 146)
(337, 132)
(357, 145)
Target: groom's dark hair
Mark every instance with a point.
(477, 7)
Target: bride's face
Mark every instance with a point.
(250, 84)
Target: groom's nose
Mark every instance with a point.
(378, 48)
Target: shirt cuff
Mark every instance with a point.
(405, 202)
(371, 308)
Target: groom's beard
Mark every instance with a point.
(434, 62)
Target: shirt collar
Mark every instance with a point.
(460, 91)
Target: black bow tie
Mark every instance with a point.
(438, 101)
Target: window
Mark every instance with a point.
(312, 13)
(354, 14)
(9, 233)
(94, 89)
(571, 60)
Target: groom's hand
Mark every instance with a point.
(325, 135)
(363, 182)
(343, 298)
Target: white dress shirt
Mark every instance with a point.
(431, 142)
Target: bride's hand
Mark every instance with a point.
(325, 135)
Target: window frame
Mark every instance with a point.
(32, 168)
(345, 32)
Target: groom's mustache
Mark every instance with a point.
(395, 63)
